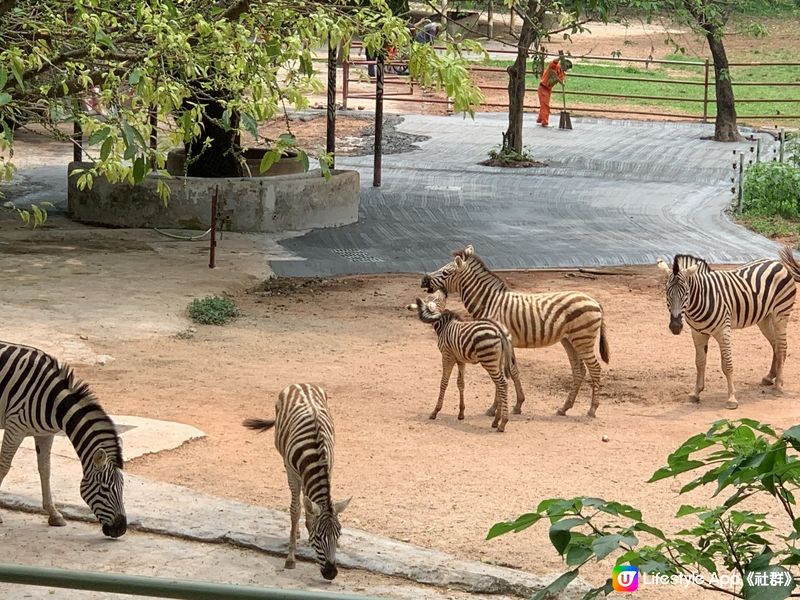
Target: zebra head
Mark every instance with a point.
(677, 290)
(101, 489)
(447, 278)
(323, 533)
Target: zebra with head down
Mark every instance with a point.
(39, 397)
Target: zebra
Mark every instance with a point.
(40, 397)
(481, 341)
(534, 320)
(714, 303)
(304, 436)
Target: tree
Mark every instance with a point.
(731, 548)
(573, 15)
(198, 71)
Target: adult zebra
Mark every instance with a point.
(760, 293)
(534, 320)
(39, 397)
(304, 436)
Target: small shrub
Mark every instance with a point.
(772, 188)
(792, 150)
(212, 310)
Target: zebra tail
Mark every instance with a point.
(605, 351)
(509, 358)
(790, 262)
(259, 424)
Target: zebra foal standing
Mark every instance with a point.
(304, 436)
(534, 320)
(714, 303)
(39, 397)
(481, 341)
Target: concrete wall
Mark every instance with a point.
(279, 203)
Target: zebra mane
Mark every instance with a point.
(479, 261)
(85, 396)
(682, 261)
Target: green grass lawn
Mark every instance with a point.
(665, 83)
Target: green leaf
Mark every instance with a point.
(687, 509)
(17, 69)
(772, 583)
(99, 135)
(139, 169)
(577, 555)
(605, 589)
(605, 545)
(326, 168)
(269, 159)
(650, 529)
(560, 532)
(303, 158)
(672, 471)
(134, 77)
(105, 149)
(3, 77)
(250, 124)
(5, 98)
(556, 587)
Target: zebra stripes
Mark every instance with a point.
(39, 397)
(481, 341)
(534, 320)
(714, 303)
(304, 436)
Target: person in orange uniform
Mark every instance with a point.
(555, 72)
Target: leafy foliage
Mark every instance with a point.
(213, 310)
(772, 188)
(744, 459)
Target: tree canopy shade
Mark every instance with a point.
(163, 61)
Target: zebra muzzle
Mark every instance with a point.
(329, 571)
(675, 325)
(117, 528)
(426, 284)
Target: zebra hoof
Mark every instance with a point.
(517, 410)
(289, 564)
(732, 404)
(460, 416)
(561, 412)
(693, 398)
(591, 413)
(501, 428)
(767, 381)
(433, 416)
(56, 521)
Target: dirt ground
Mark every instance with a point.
(442, 483)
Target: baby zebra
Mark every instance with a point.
(304, 436)
(481, 341)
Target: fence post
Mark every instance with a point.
(153, 136)
(758, 150)
(705, 96)
(345, 80)
(330, 132)
(740, 193)
(782, 140)
(490, 19)
(376, 159)
(77, 139)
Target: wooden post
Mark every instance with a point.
(212, 247)
(705, 96)
(77, 138)
(490, 19)
(376, 163)
(345, 81)
(740, 190)
(153, 136)
(781, 146)
(330, 134)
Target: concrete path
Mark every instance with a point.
(615, 192)
(179, 515)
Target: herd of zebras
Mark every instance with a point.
(40, 397)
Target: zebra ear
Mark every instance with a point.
(689, 271)
(662, 266)
(99, 458)
(459, 262)
(339, 507)
(469, 251)
(312, 508)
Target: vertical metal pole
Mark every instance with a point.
(213, 243)
(330, 135)
(376, 165)
(782, 140)
(758, 150)
(153, 135)
(740, 193)
(705, 96)
(77, 138)
(345, 81)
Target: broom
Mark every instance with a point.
(564, 121)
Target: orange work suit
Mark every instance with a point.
(552, 74)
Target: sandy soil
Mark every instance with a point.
(441, 483)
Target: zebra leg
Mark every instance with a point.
(501, 399)
(767, 327)
(447, 369)
(517, 388)
(578, 373)
(700, 354)
(11, 441)
(595, 372)
(460, 382)
(294, 513)
(723, 337)
(780, 352)
(44, 444)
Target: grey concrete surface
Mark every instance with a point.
(613, 193)
(258, 204)
(178, 512)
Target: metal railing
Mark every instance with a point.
(705, 67)
(155, 587)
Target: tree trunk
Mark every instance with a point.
(725, 129)
(512, 138)
(222, 157)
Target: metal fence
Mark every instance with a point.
(403, 89)
(154, 587)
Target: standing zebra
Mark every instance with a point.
(39, 397)
(760, 293)
(481, 341)
(534, 320)
(304, 436)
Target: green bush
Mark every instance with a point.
(212, 310)
(792, 150)
(772, 188)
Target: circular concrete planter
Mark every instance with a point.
(251, 204)
(287, 165)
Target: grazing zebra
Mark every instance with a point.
(304, 436)
(481, 341)
(760, 293)
(39, 397)
(534, 320)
